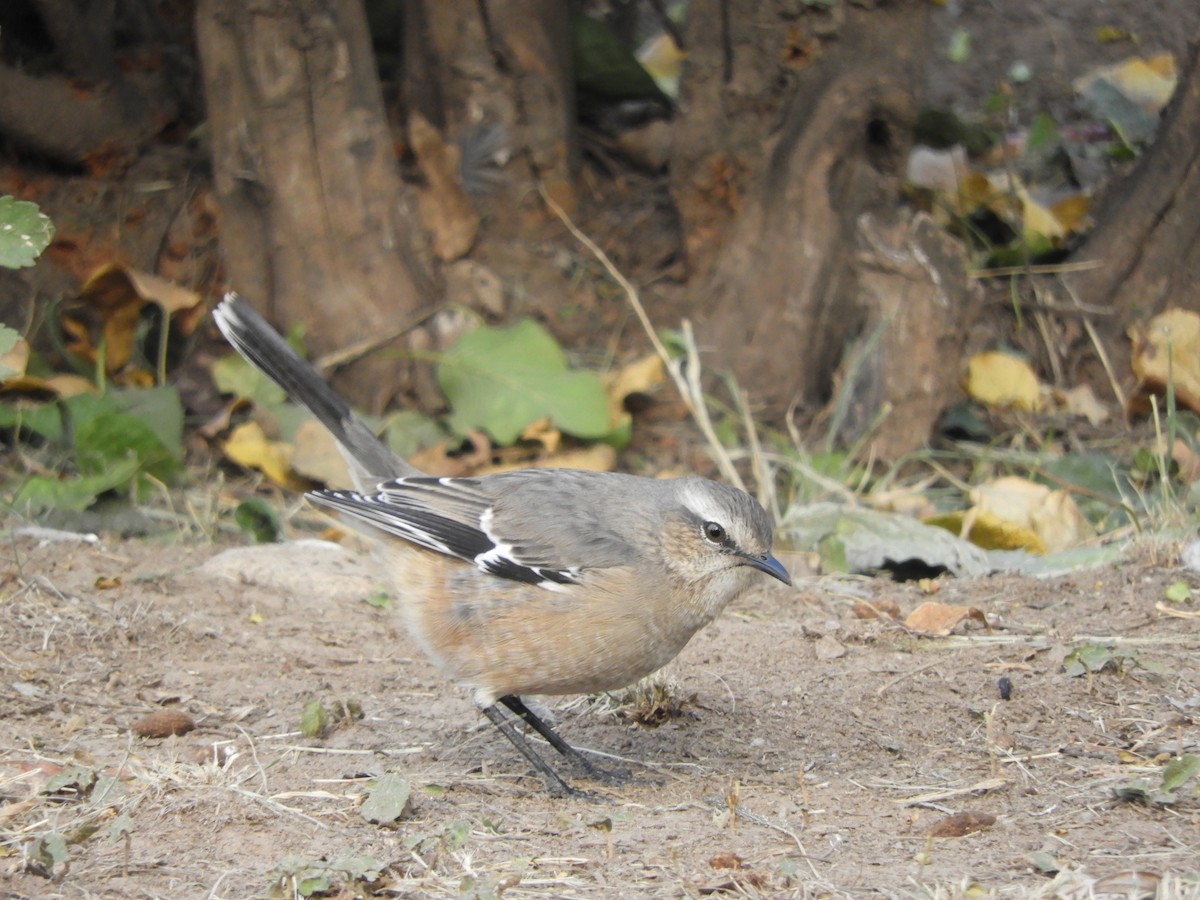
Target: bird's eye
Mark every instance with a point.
(714, 532)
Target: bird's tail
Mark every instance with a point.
(266, 350)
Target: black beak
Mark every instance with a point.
(769, 564)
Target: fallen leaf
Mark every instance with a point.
(104, 318)
(315, 455)
(1051, 515)
(961, 824)
(163, 723)
(249, 446)
(875, 609)
(444, 205)
(542, 432)
(941, 618)
(1081, 401)
(1147, 82)
(726, 860)
(1188, 461)
(999, 379)
(1166, 349)
(387, 800)
(638, 377)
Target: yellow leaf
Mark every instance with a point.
(1037, 219)
(1025, 506)
(998, 379)
(249, 446)
(639, 377)
(1072, 212)
(316, 456)
(541, 432)
(1148, 82)
(596, 458)
(1168, 347)
(986, 530)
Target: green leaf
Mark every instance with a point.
(314, 720)
(1088, 658)
(233, 375)
(45, 421)
(1179, 592)
(605, 66)
(1179, 770)
(24, 233)
(959, 50)
(1042, 134)
(8, 340)
(161, 409)
(407, 432)
(381, 599)
(78, 778)
(49, 850)
(259, 520)
(107, 441)
(314, 884)
(503, 379)
(43, 492)
(387, 800)
(120, 828)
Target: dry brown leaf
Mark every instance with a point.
(726, 860)
(444, 206)
(1081, 401)
(638, 377)
(1188, 461)
(17, 358)
(163, 723)
(941, 618)
(107, 310)
(875, 609)
(315, 455)
(961, 824)
(1146, 81)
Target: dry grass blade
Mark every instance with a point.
(685, 373)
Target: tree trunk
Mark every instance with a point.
(316, 224)
(1147, 235)
(504, 63)
(808, 154)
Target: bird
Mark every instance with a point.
(538, 581)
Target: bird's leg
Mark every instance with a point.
(554, 783)
(517, 705)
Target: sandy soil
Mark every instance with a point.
(814, 751)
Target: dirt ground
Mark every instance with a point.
(814, 752)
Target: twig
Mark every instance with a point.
(1057, 269)
(688, 384)
(1100, 351)
(359, 349)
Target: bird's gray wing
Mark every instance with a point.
(541, 527)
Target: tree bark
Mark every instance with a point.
(505, 63)
(1147, 236)
(799, 151)
(316, 224)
